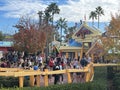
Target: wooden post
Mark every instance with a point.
(92, 73)
(76, 55)
(69, 76)
(92, 57)
(46, 77)
(66, 54)
(82, 50)
(21, 81)
(32, 80)
(38, 80)
(87, 75)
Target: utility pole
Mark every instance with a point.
(40, 18)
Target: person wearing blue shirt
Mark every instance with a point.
(35, 67)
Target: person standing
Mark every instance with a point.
(83, 62)
(56, 76)
(40, 60)
(35, 67)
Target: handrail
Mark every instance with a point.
(10, 69)
(20, 73)
(102, 64)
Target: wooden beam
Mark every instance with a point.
(38, 80)
(10, 69)
(21, 81)
(67, 55)
(76, 55)
(81, 52)
(88, 74)
(6, 73)
(46, 77)
(92, 57)
(69, 76)
(105, 65)
(32, 80)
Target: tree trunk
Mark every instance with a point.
(92, 22)
(98, 21)
(52, 18)
(61, 35)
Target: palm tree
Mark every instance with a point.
(40, 13)
(93, 15)
(53, 9)
(47, 16)
(99, 11)
(61, 24)
(69, 32)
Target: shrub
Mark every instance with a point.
(116, 81)
(110, 72)
(11, 82)
(73, 86)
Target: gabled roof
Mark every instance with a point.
(86, 33)
(95, 49)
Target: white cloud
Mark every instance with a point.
(18, 8)
(73, 11)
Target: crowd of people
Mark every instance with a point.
(37, 62)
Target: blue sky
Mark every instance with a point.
(72, 10)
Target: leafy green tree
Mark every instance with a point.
(69, 32)
(99, 12)
(53, 9)
(111, 39)
(47, 17)
(93, 15)
(61, 25)
(1, 36)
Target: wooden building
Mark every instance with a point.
(5, 46)
(81, 41)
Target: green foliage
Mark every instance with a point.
(110, 73)
(61, 25)
(116, 81)
(74, 86)
(100, 76)
(11, 82)
(99, 11)
(1, 36)
(93, 15)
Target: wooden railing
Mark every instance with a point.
(20, 73)
(15, 72)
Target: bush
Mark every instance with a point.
(74, 86)
(11, 82)
(116, 81)
(110, 72)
